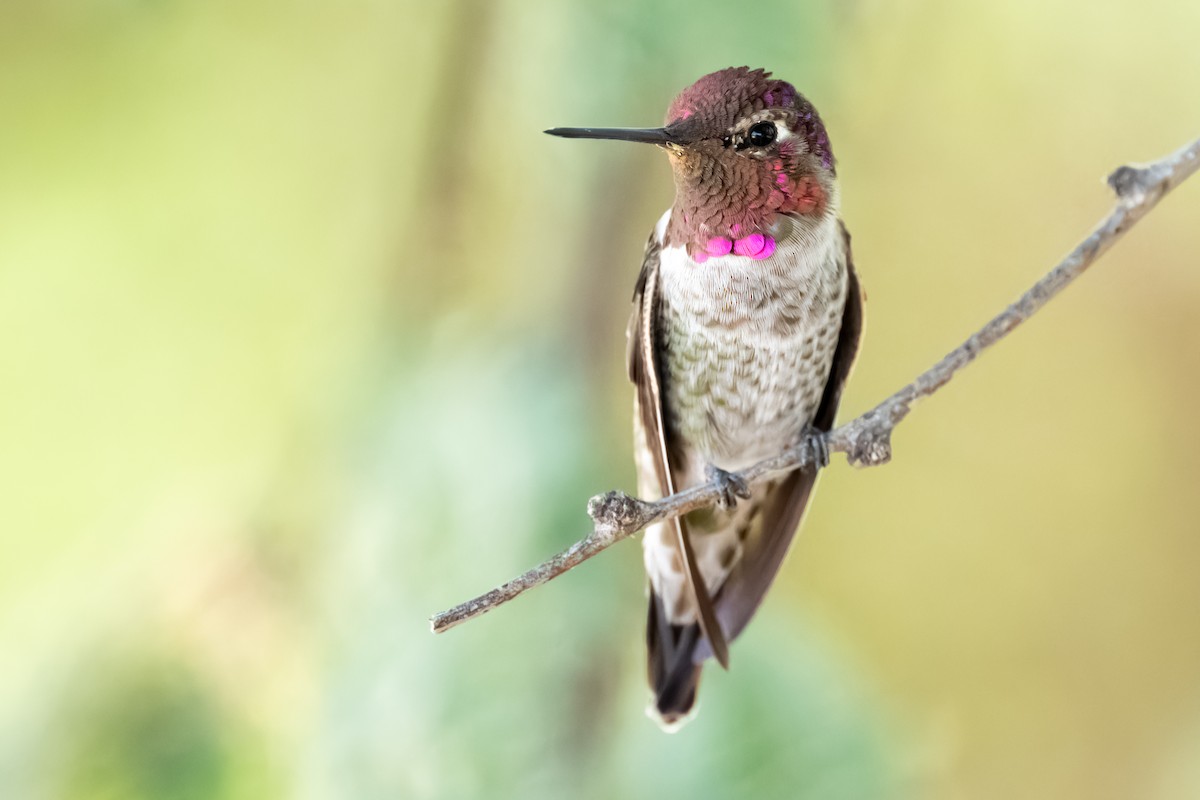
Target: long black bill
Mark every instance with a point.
(649, 135)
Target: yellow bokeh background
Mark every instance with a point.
(307, 332)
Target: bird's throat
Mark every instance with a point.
(716, 213)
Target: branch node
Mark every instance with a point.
(870, 448)
(1124, 181)
(1133, 184)
(616, 510)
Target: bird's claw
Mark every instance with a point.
(817, 445)
(730, 486)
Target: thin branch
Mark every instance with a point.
(866, 440)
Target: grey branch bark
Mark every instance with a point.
(866, 440)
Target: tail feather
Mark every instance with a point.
(673, 672)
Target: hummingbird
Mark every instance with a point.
(746, 322)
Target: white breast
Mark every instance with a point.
(748, 344)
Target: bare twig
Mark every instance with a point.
(866, 440)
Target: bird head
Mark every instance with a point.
(745, 148)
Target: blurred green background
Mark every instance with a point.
(307, 332)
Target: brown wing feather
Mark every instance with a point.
(749, 580)
(644, 372)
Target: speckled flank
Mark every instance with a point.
(746, 351)
(746, 347)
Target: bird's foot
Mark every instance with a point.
(816, 443)
(730, 484)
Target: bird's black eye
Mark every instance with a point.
(761, 134)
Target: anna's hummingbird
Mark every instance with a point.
(746, 322)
